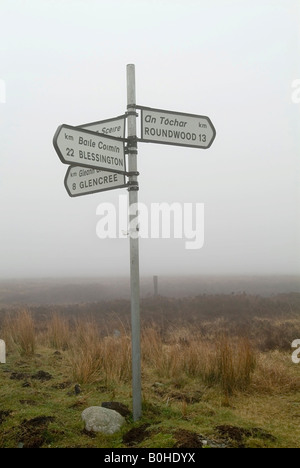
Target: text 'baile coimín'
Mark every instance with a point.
(81, 147)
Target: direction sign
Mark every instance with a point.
(83, 181)
(76, 146)
(110, 127)
(174, 128)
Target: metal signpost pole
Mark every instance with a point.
(134, 245)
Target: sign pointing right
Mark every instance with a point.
(175, 128)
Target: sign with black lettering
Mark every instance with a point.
(83, 181)
(174, 128)
(111, 127)
(76, 146)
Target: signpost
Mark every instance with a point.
(175, 128)
(83, 181)
(96, 153)
(81, 147)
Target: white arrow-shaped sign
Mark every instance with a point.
(83, 181)
(76, 146)
(176, 128)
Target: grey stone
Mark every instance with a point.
(98, 419)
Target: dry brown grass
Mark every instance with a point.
(85, 353)
(234, 365)
(158, 355)
(59, 333)
(224, 361)
(19, 332)
(99, 358)
(276, 374)
(214, 359)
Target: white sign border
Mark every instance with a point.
(92, 191)
(88, 132)
(183, 114)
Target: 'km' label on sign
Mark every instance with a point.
(174, 128)
(76, 146)
(83, 181)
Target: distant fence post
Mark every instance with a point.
(2, 352)
(155, 283)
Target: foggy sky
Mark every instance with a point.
(235, 62)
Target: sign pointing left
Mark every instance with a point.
(83, 181)
(76, 146)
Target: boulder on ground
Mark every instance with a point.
(98, 419)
